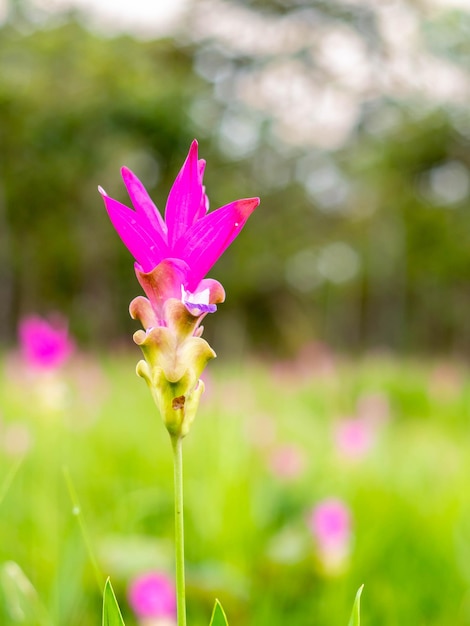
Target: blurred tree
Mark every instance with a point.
(73, 109)
(357, 145)
(360, 140)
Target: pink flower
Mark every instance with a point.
(44, 345)
(354, 437)
(152, 595)
(188, 241)
(374, 407)
(330, 524)
(287, 461)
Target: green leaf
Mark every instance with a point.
(355, 619)
(111, 612)
(218, 616)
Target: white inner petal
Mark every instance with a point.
(202, 297)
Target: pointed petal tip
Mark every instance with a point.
(193, 149)
(247, 205)
(127, 176)
(127, 173)
(102, 191)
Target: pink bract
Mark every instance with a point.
(152, 595)
(44, 345)
(189, 237)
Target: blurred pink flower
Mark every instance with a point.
(446, 381)
(152, 595)
(287, 461)
(330, 524)
(187, 242)
(374, 407)
(313, 360)
(44, 345)
(354, 437)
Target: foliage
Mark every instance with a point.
(247, 539)
(111, 612)
(356, 612)
(218, 615)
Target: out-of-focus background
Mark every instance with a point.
(332, 446)
(349, 119)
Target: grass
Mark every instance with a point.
(247, 538)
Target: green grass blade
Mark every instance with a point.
(218, 616)
(77, 512)
(355, 619)
(4, 487)
(111, 611)
(22, 601)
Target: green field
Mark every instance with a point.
(247, 538)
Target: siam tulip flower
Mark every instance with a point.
(330, 524)
(152, 597)
(45, 346)
(172, 257)
(184, 245)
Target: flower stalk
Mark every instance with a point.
(177, 445)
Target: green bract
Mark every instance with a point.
(175, 357)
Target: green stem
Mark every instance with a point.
(177, 443)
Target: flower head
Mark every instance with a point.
(152, 595)
(189, 240)
(330, 524)
(45, 345)
(173, 256)
(354, 437)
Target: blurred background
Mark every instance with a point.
(335, 433)
(349, 119)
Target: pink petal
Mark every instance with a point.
(142, 202)
(210, 236)
(148, 249)
(216, 291)
(163, 282)
(184, 199)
